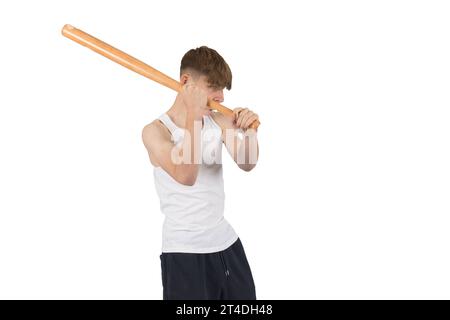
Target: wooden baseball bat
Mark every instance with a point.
(134, 64)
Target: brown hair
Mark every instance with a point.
(207, 62)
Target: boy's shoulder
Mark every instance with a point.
(155, 132)
(156, 127)
(154, 136)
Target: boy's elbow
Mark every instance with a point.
(188, 183)
(187, 180)
(248, 167)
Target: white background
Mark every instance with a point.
(349, 200)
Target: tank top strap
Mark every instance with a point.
(165, 119)
(209, 122)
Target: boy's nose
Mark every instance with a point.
(218, 96)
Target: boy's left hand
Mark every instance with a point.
(244, 117)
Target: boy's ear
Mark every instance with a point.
(184, 79)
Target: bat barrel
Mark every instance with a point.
(119, 56)
(133, 64)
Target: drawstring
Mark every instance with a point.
(227, 273)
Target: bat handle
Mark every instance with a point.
(255, 124)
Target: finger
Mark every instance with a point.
(241, 116)
(245, 117)
(235, 115)
(236, 112)
(250, 120)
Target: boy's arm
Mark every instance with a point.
(169, 156)
(180, 162)
(245, 150)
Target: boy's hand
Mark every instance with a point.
(195, 100)
(244, 117)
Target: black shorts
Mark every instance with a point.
(223, 275)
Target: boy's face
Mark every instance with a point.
(213, 93)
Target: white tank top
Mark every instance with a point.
(194, 215)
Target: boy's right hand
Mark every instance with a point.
(195, 100)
